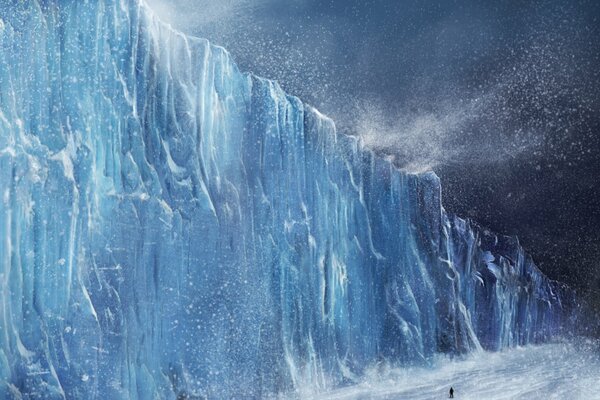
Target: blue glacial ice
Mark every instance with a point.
(171, 227)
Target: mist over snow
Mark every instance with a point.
(555, 371)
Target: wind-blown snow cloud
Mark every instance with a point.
(448, 133)
(188, 15)
(183, 14)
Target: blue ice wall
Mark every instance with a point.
(171, 227)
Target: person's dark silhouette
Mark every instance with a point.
(451, 392)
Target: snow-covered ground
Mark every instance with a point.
(554, 371)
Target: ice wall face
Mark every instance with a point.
(171, 227)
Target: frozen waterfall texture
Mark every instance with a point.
(172, 227)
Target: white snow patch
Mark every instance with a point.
(67, 163)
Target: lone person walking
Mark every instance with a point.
(451, 392)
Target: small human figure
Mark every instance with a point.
(451, 392)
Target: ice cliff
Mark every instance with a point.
(173, 228)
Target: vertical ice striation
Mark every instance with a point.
(171, 227)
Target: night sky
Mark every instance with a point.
(501, 99)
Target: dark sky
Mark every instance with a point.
(500, 98)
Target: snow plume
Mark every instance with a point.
(422, 138)
(188, 13)
(530, 105)
(210, 15)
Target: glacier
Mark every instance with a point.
(171, 227)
